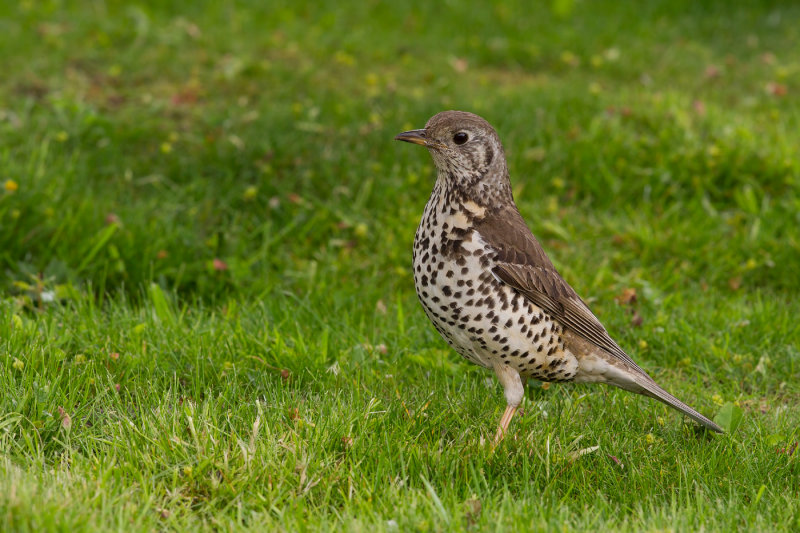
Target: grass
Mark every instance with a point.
(207, 318)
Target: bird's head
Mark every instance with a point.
(466, 150)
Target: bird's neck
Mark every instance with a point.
(489, 190)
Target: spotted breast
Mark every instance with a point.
(482, 318)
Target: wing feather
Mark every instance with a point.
(521, 263)
(548, 290)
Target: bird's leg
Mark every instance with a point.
(508, 414)
(514, 391)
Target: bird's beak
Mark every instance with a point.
(413, 136)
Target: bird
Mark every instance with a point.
(490, 289)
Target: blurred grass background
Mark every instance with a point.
(259, 133)
(211, 192)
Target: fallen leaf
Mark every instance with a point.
(459, 64)
(627, 296)
(66, 420)
(187, 96)
(574, 456)
(776, 89)
(789, 450)
(712, 71)
(699, 107)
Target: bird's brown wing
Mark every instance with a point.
(521, 263)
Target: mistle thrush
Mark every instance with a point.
(489, 288)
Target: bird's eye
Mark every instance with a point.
(460, 137)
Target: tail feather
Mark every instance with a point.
(644, 384)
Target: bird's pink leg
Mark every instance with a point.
(504, 422)
(514, 391)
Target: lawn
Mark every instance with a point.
(207, 313)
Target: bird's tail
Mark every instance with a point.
(644, 384)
